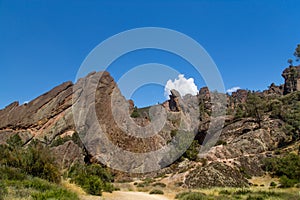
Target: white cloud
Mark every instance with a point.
(182, 85)
(233, 89)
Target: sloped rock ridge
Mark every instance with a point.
(245, 140)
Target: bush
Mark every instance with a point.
(155, 191)
(173, 133)
(141, 185)
(191, 196)
(93, 185)
(34, 160)
(92, 178)
(192, 152)
(239, 194)
(57, 193)
(61, 140)
(255, 107)
(159, 185)
(225, 192)
(242, 191)
(239, 112)
(135, 113)
(273, 184)
(255, 198)
(11, 173)
(285, 182)
(287, 166)
(24, 170)
(291, 114)
(39, 189)
(3, 190)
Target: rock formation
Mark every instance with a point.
(291, 76)
(67, 110)
(173, 102)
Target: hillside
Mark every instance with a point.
(259, 128)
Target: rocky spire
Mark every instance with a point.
(292, 79)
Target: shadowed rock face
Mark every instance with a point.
(173, 102)
(291, 76)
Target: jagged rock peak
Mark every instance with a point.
(173, 102)
(291, 76)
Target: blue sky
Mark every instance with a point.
(43, 43)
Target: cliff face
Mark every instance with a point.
(116, 139)
(66, 110)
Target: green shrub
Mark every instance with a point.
(239, 112)
(34, 160)
(255, 107)
(61, 140)
(159, 185)
(242, 191)
(191, 196)
(27, 170)
(273, 184)
(225, 192)
(156, 191)
(192, 152)
(135, 113)
(92, 178)
(37, 184)
(276, 108)
(288, 166)
(291, 114)
(93, 185)
(173, 133)
(3, 190)
(143, 184)
(285, 182)
(36, 188)
(55, 193)
(14, 141)
(149, 180)
(11, 173)
(255, 198)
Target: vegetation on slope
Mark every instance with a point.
(287, 168)
(31, 172)
(241, 193)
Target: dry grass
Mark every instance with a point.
(73, 187)
(171, 190)
(263, 181)
(18, 194)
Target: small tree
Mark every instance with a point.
(255, 107)
(290, 61)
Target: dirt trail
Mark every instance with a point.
(119, 195)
